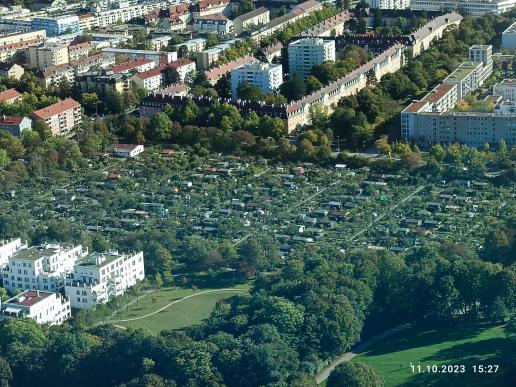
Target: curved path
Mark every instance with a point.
(347, 356)
(177, 302)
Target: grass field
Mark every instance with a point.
(190, 311)
(474, 344)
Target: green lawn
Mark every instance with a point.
(185, 313)
(474, 344)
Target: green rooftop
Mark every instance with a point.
(36, 252)
(462, 71)
(89, 260)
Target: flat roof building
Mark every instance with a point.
(42, 307)
(268, 77)
(305, 53)
(509, 37)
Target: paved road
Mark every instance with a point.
(323, 375)
(381, 216)
(178, 301)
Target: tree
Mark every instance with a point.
(90, 102)
(312, 84)
(170, 76)
(5, 373)
(294, 88)
(318, 114)
(211, 40)
(383, 145)
(356, 374)
(271, 127)
(411, 160)
(4, 159)
(160, 126)
(182, 52)
(12, 145)
(249, 92)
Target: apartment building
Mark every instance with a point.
(158, 57)
(29, 36)
(10, 96)
(432, 119)
(209, 7)
(42, 307)
(151, 79)
(7, 249)
(250, 20)
(122, 14)
(78, 51)
(101, 276)
(305, 53)
(48, 55)
(183, 67)
(215, 25)
(43, 267)
(102, 82)
(15, 125)
(160, 42)
(61, 117)
(137, 65)
(506, 89)
(55, 26)
(268, 77)
(54, 75)
(509, 37)
(467, 78)
(331, 27)
(433, 30)
(214, 74)
(390, 4)
(11, 70)
(474, 8)
(482, 53)
(193, 45)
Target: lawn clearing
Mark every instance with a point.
(189, 308)
(469, 345)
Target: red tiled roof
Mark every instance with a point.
(79, 46)
(132, 64)
(437, 93)
(414, 107)
(11, 120)
(205, 4)
(151, 73)
(32, 297)
(88, 60)
(17, 45)
(217, 72)
(180, 63)
(9, 94)
(56, 108)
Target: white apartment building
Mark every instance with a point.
(390, 4)
(249, 20)
(48, 55)
(193, 45)
(151, 79)
(303, 54)
(123, 14)
(43, 307)
(138, 65)
(268, 77)
(99, 277)
(473, 8)
(158, 57)
(466, 77)
(42, 267)
(506, 89)
(183, 67)
(222, 27)
(8, 248)
(509, 37)
(484, 54)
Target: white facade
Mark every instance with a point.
(193, 45)
(214, 26)
(473, 8)
(8, 248)
(48, 55)
(126, 150)
(506, 89)
(40, 267)
(390, 4)
(43, 307)
(509, 37)
(303, 54)
(268, 77)
(99, 277)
